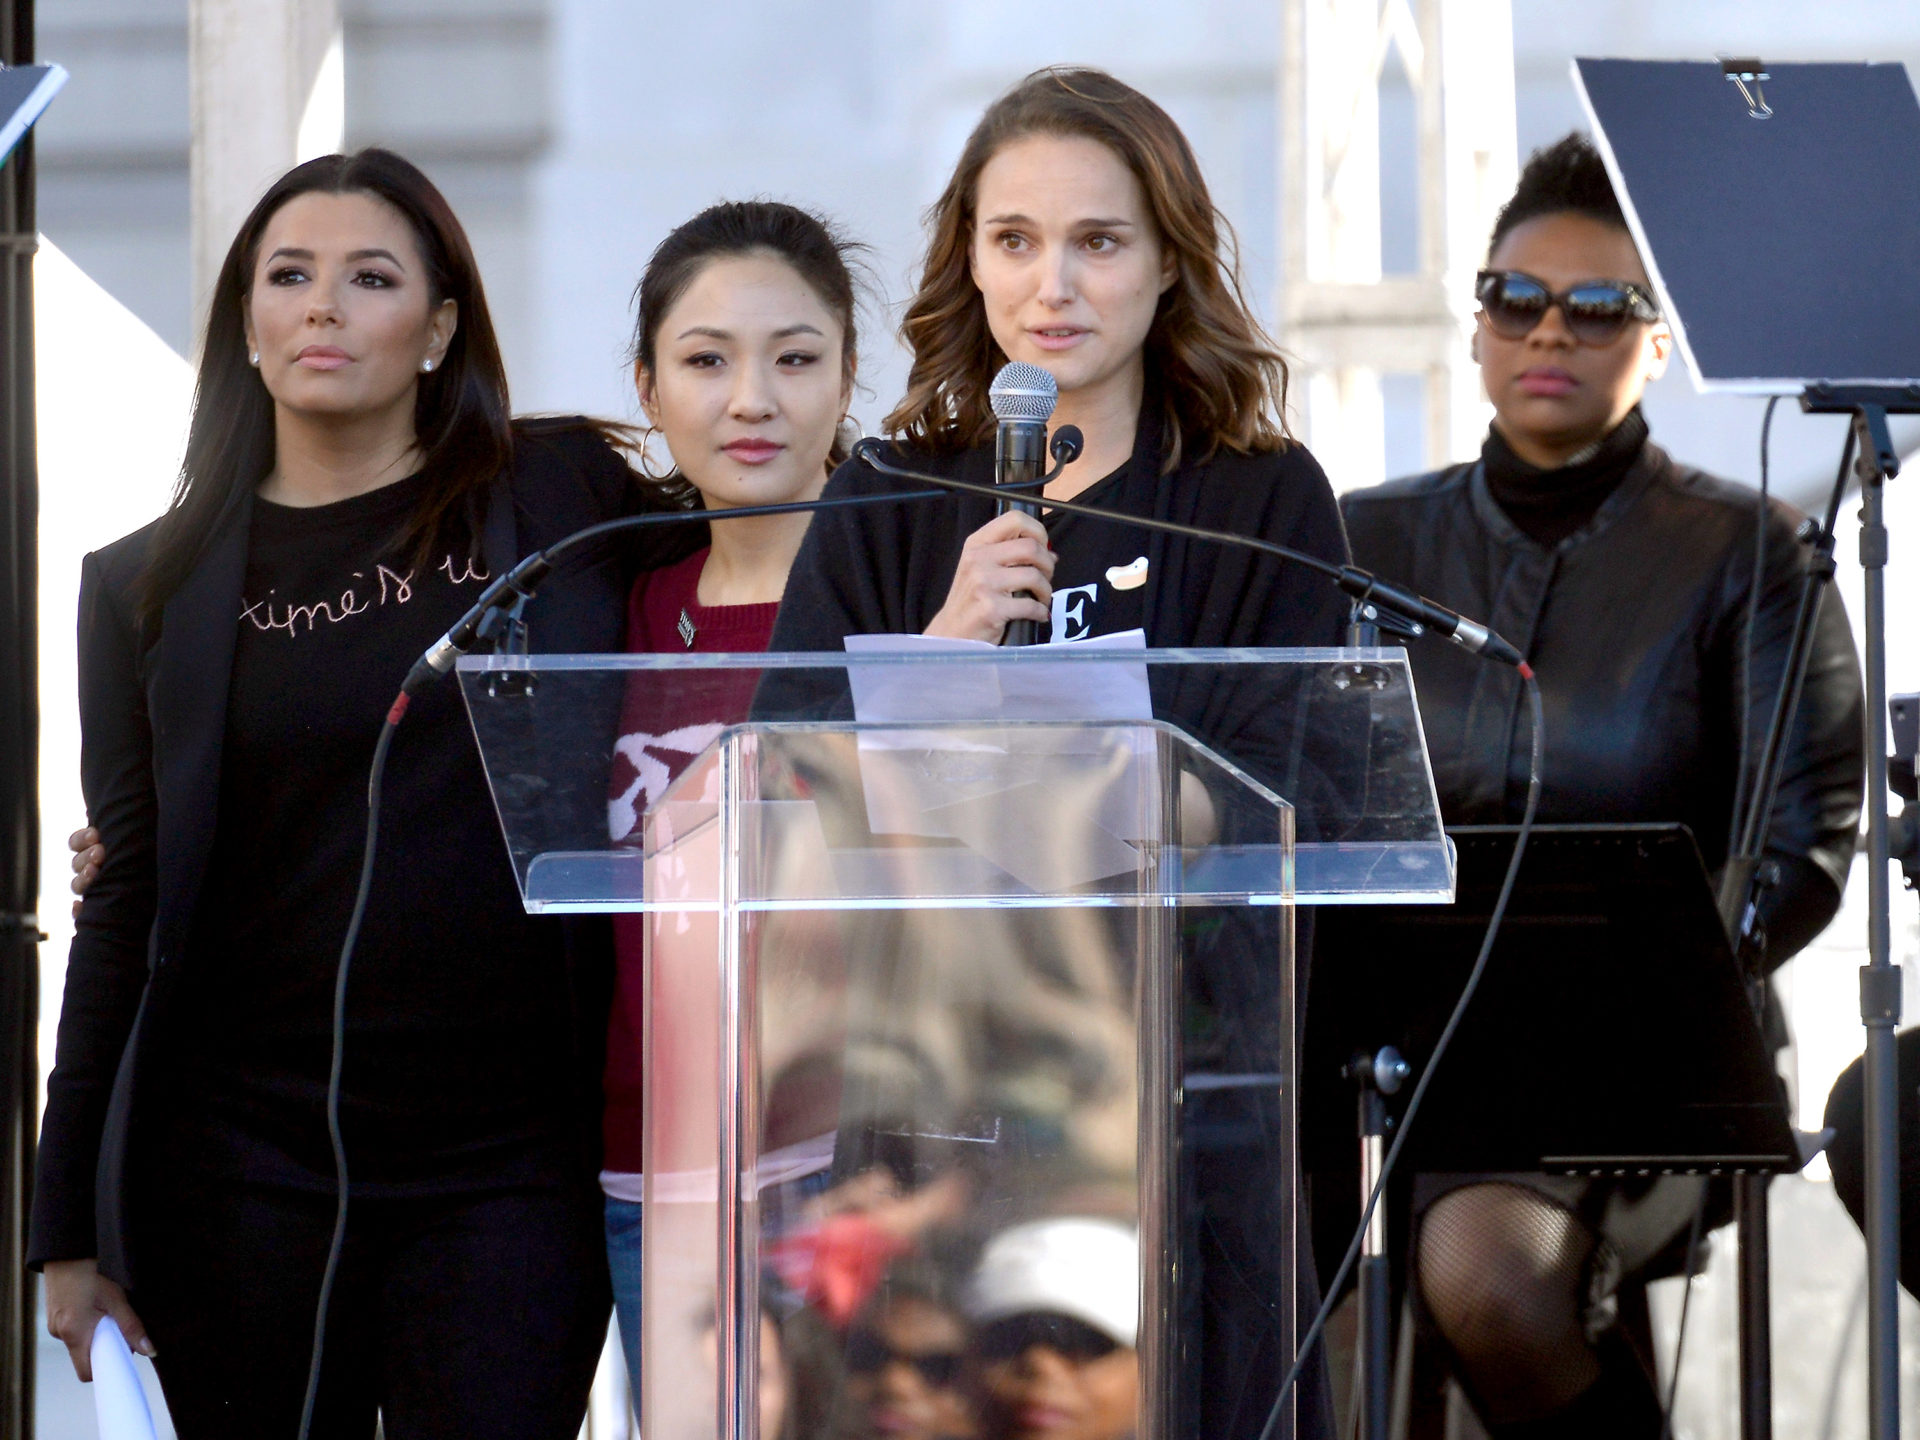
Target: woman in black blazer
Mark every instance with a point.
(351, 481)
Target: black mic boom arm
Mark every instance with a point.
(1362, 585)
(511, 591)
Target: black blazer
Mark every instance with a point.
(153, 703)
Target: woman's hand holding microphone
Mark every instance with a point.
(1005, 574)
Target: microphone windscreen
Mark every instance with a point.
(1022, 392)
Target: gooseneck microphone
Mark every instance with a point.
(1022, 397)
(1421, 613)
(496, 614)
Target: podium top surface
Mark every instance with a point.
(903, 777)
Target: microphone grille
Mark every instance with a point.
(1022, 392)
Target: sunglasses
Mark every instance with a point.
(868, 1354)
(1596, 311)
(1072, 1340)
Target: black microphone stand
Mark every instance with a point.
(1870, 453)
(1877, 463)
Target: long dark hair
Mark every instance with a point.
(460, 417)
(819, 254)
(1220, 381)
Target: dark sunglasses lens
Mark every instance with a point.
(1513, 305)
(1597, 314)
(939, 1369)
(868, 1354)
(1068, 1338)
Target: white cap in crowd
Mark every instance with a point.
(1083, 1268)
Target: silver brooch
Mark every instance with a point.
(685, 627)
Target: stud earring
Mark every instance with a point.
(426, 367)
(253, 357)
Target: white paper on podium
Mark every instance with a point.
(919, 783)
(934, 694)
(119, 1400)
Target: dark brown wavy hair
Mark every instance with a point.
(1217, 377)
(461, 416)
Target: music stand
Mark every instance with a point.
(1611, 1035)
(1777, 209)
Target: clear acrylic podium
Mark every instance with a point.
(952, 962)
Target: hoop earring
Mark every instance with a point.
(646, 456)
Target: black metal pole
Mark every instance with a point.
(1375, 1076)
(1743, 885)
(1756, 1307)
(1877, 462)
(19, 755)
(1880, 977)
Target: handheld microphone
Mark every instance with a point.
(1022, 397)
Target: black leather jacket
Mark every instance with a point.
(1636, 625)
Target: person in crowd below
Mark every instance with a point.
(1077, 234)
(1624, 577)
(351, 481)
(744, 355)
(1055, 1306)
(906, 1358)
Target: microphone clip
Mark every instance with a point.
(1064, 447)
(503, 631)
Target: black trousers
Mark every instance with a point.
(467, 1315)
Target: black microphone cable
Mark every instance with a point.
(1304, 1350)
(376, 773)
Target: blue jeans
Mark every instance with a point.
(623, 1262)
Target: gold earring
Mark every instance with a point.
(646, 457)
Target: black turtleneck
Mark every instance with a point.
(1549, 505)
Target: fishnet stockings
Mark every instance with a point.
(1504, 1274)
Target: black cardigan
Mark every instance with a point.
(886, 569)
(153, 703)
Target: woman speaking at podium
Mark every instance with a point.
(351, 480)
(1624, 577)
(1077, 234)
